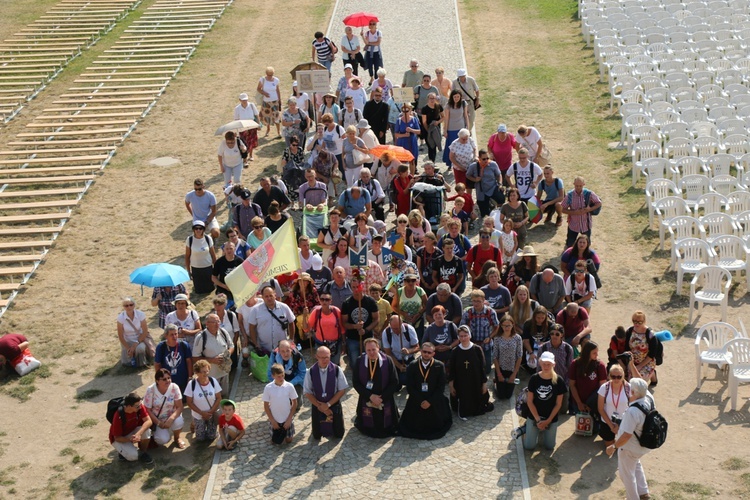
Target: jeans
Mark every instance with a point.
(327, 64)
(570, 239)
(373, 62)
(230, 172)
(549, 436)
(487, 348)
(353, 350)
(484, 205)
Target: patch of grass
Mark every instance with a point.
(67, 452)
(89, 394)
(82, 440)
(536, 76)
(70, 371)
(87, 422)
(745, 479)
(58, 468)
(3, 433)
(23, 465)
(5, 479)
(77, 459)
(20, 392)
(677, 491)
(734, 463)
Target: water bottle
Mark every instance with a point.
(518, 432)
(299, 347)
(517, 381)
(133, 362)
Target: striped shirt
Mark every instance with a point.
(579, 223)
(323, 48)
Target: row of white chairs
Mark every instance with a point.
(695, 198)
(721, 344)
(693, 254)
(674, 216)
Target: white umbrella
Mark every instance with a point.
(237, 126)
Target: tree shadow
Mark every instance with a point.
(102, 389)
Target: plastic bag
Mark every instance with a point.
(259, 367)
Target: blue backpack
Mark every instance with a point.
(586, 200)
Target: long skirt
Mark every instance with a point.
(270, 113)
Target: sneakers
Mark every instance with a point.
(145, 458)
(518, 432)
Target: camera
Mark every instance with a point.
(616, 418)
(625, 357)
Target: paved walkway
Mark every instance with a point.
(476, 459)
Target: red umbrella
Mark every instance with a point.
(399, 153)
(360, 19)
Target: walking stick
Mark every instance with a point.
(303, 284)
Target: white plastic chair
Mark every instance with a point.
(719, 164)
(731, 255)
(704, 129)
(693, 187)
(738, 351)
(655, 191)
(711, 346)
(737, 145)
(711, 203)
(691, 255)
(688, 165)
(629, 124)
(681, 228)
(725, 184)
(712, 290)
(642, 151)
(706, 146)
(732, 126)
(720, 113)
(675, 130)
(665, 210)
(643, 133)
(717, 224)
(716, 102)
(738, 202)
(742, 223)
(677, 148)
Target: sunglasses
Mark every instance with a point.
(410, 281)
(129, 305)
(199, 229)
(402, 222)
(556, 334)
(325, 299)
(258, 227)
(637, 322)
(485, 236)
(615, 377)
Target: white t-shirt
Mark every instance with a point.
(306, 264)
(524, 177)
(228, 325)
(270, 88)
(334, 139)
(279, 398)
(347, 44)
(204, 396)
(154, 400)
(359, 98)
(244, 311)
(131, 334)
(579, 288)
(611, 398)
(270, 332)
(302, 101)
(231, 157)
(200, 255)
(248, 113)
(530, 142)
(372, 38)
(187, 324)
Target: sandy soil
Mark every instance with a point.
(69, 307)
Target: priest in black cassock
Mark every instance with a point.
(376, 381)
(467, 379)
(427, 414)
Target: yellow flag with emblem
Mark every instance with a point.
(276, 255)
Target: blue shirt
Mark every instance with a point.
(201, 205)
(488, 183)
(351, 206)
(552, 191)
(175, 359)
(295, 376)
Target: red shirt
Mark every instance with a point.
(236, 421)
(469, 202)
(587, 384)
(132, 421)
(477, 258)
(502, 151)
(9, 346)
(572, 326)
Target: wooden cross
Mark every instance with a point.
(466, 364)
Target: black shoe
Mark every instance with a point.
(145, 458)
(121, 458)
(245, 363)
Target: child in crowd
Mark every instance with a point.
(468, 201)
(280, 405)
(443, 226)
(509, 240)
(231, 426)
(617, 346)
(459, 213)
(384, 309)
(489, 224)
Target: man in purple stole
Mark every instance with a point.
(376, 381)
(324, 386)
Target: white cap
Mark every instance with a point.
(294, 83)
(348, 66)
(461, 72)
(547, 356)
(243, 96)
(317, 262)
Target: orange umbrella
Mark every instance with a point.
(398, 152)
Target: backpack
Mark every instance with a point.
(211, 381)
(208, 240)
(522, 406)
(304, 122)
(241, 142)
(116, 405)
(202, 335)
(475, 251)
(654, 431)
(586, 200)
(336, 315)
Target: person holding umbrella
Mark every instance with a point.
(246, 110)
(373, 54)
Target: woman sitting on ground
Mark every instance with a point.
(522, 307)
(132, 330)
(614, 398)
(163, 402)
(587, 374)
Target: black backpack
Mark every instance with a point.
(655, 427)
(240, 143)
(116, 405)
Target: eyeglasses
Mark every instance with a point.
(615, 377)
(507, 325)
(325, 299)
(129, 305)
(636, 322)
(438, 72)
(402, 222)
(485, 236)
(198, 188)
(428, 352)
(258, 226)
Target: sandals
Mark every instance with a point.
(180, 444)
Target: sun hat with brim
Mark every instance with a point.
(502, 128)
(547, 356)
(363, 124)
(179, 297)
(243, 96)
(528, 251)
(225, 402)
(199, 223)
(461, 72)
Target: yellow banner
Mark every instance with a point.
(277, 255)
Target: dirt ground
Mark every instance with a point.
(532, 67)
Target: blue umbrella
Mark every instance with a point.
(160, 274)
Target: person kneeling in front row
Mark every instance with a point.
(130, 432)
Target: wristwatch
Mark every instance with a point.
(328, 403)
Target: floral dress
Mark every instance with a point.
(639, 347)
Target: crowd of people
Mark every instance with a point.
(400, 320)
